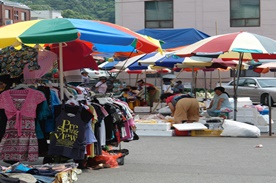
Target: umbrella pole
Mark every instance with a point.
(61, 81)
(136, 79)
(195, 83)
(211, 75)
(236, 89)
(146, 87)
(205, 85)
(219, 77)
(193, 80)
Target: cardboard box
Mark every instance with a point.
(206, 133)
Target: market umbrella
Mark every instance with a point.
(234, 46)
(266, 67)
(108, 65)
(151, 58)
(76, 55)
(59, 30)
(64, 30)
(126, 63)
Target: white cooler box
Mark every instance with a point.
(142, 109)
(154, 126)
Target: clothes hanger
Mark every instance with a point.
(20, 86)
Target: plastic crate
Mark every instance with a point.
(206, 133)
(182, 133)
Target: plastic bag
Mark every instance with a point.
(108, 159)
(239, 129)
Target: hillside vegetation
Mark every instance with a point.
(85, 9)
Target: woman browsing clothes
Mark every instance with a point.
(219, 103)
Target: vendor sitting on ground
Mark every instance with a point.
(219, 103)
(184, 107)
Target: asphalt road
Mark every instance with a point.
(193, 160)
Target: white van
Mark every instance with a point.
(75, 75)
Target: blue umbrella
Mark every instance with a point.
(108, 65)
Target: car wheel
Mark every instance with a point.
(265, 99)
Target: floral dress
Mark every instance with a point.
(20, 142)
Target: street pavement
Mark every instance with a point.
(193, 160)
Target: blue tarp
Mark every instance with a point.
(175, 37)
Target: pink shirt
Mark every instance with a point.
(32, 98)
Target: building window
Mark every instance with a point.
(15, 14)
(159, 14)
(8, 14)
(244, 13)
(23, 16)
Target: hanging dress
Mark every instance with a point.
(19, 142)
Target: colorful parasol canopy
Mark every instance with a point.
(108, 65)
(228, 47)
(59, 30)
(76, 55)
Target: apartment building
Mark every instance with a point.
(12, 12)
(210, 16)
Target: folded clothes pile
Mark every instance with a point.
(54, 173)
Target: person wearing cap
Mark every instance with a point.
(85, 77)
(101, 86)
(178, 87)
(219, 103)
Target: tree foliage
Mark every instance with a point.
(85, 9)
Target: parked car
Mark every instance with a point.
(257, 88)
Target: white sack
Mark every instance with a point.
(238, 129)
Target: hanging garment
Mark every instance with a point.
(13, 61)
(20, 142)
(69, 137)
(3, 123)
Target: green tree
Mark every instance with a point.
(86, 9)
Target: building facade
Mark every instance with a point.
(210, 16)
(12, 12)
(45, 14)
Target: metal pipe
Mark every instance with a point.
(270, 114)
(237, 86)
(61, 81)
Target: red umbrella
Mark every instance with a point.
(76, 55)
